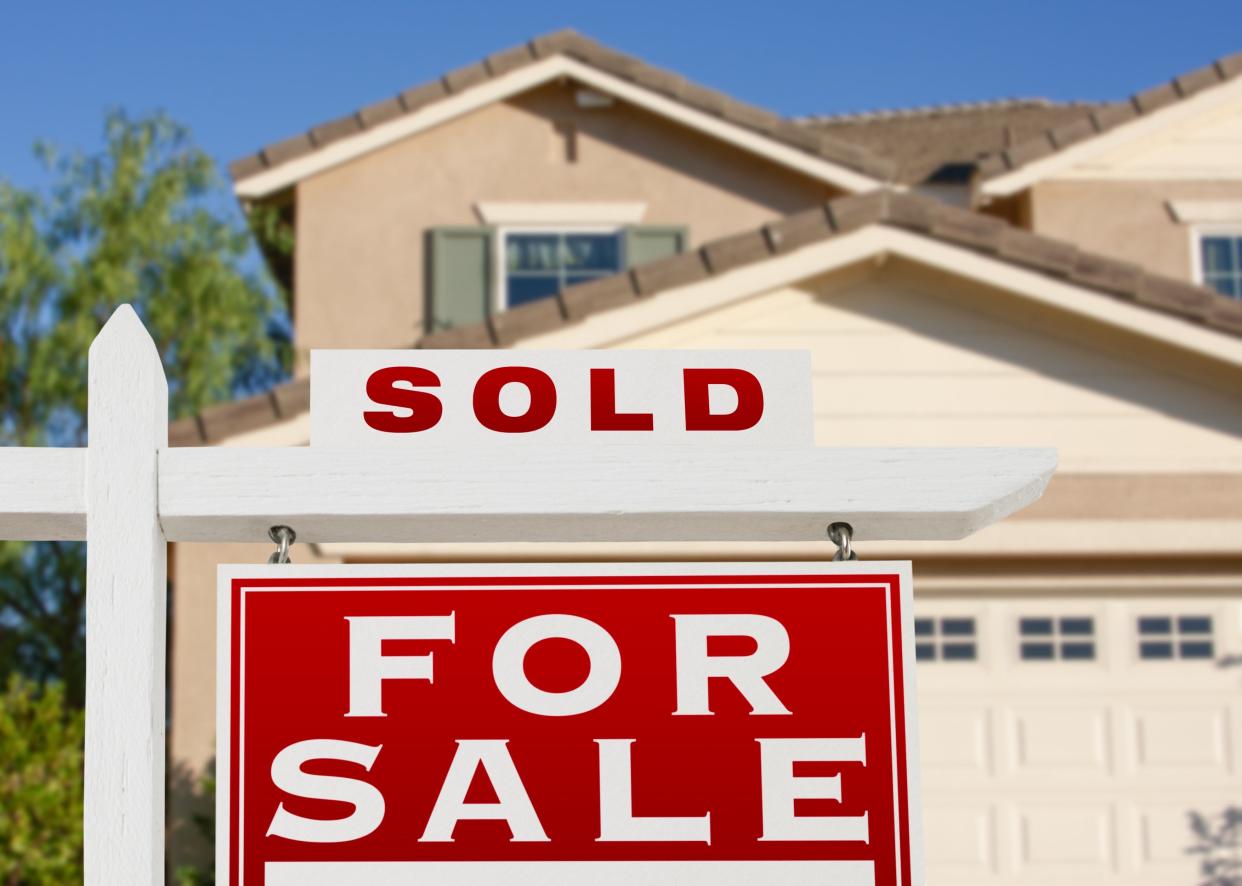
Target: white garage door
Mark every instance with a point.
(1069, 740)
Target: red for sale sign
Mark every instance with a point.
(592, 724)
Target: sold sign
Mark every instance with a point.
(408, 398)
(534, 724)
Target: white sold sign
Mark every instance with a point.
(404, 398)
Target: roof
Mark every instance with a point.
(942, 143)
(573, 45)
(959, 227)
(1091, 122)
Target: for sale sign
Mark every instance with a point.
(683, 723)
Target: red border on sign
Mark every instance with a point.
(891, 581)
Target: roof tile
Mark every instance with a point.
(1033, 250)
(748, 115)
(289, 149)
(326, 133)
(712, 101)
(1155, 98)
(186, 432)
(1226, 315)
(1230, 65)
(1108, 274)
(381, 112)
(463, 78)
(677, 270)
(251, 164)
(908, 211)
(507, 60)
(732, 252)
(1029, 150)
(1173, 295)
(968, 228)
(424, 94)
(230, 419)
(550, 44)
(1114, 115)
(858, 210)
(476, 335)
(1071, 133)
(292, 398)
(800, 229)
(598, 295)
(531, 318)
(1197, 81)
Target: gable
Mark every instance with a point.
(362, 225)
(901, 358)
(548, 59)
(1203, 146)
(1146, 119)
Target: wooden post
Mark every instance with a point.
(126, 599)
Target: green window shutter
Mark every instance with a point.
(459, 272)
(644, 243)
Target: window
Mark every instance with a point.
(539, 264)
(945, 639)
(1163, 637)
(1065, 638)
(1220, 262)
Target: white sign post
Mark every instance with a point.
(127, 494)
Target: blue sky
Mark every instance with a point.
(241, 74)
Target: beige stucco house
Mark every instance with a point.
(1014, 273)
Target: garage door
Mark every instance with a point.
(1069, 741)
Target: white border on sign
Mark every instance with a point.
(227, 573)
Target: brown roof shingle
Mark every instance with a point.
(943, 143)
(576, 46)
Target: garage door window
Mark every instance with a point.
(1059, 638)
(1163, 637)
(951, 638)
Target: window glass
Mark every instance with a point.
(540, 264)
(1066, 638)
(945, 639)
(1164, 637)
(1221, 258)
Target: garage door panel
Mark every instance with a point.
(956, 744)
(1059, 742)
(1065, 839)
(1181, 740)
(961, 842)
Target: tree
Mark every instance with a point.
(40, 787)
(144, 221)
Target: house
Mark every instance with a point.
(1011, 273)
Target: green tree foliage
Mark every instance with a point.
(40, 787)
(144, 220)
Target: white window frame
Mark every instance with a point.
(500, 294)
(1197, 233)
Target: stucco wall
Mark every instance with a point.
(1125, 219)
(361, 226)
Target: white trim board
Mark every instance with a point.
(1210, 211)
(1066, 163)
(496, 213)
(614, 327)
(529, 77)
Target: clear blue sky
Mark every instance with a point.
(241, 74)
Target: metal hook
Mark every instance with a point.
(283, 536)
(842, 535)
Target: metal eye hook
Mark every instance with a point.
(842, 535)
(283, 536)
